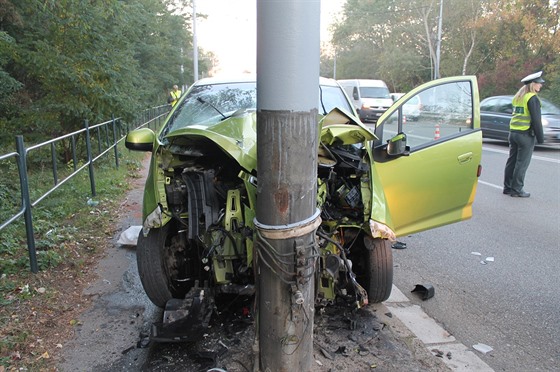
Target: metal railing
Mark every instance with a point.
(107, 135)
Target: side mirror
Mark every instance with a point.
(397, 145)
(140, 140)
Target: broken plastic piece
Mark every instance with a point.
(425, 291)
(130, 236)
(398, 245)
(482, 348)
(489, 259)
(476, 253)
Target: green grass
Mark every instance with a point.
(69, 231)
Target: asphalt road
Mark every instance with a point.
(511, 303)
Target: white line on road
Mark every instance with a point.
(536, 157)
(490, 184)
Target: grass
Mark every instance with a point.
(71, 230)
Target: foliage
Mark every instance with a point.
(499, 41)
(69, 233)
(65, 61)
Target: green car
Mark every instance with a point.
(375, 183)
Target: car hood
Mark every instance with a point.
(237, 135)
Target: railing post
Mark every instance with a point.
(115, 141)
(74, 159)
(54, 164)
(26, 200)
(90, 157)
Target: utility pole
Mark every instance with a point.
(438, 46)
(195, 43)
(288, 50)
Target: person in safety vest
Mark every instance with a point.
(525, 127)
(174, 96)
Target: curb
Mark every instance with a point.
(433, 336)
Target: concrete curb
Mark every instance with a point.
(433, 336)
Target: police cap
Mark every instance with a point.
(533, 78)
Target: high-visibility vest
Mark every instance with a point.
(175, 95)
(521, 119)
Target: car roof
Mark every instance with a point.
(502, 96)
(248, 78)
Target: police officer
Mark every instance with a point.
(174, 96)
(525, 127)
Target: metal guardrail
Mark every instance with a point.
(108, 135)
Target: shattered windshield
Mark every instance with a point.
(206, 105)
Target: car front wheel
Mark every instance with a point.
(158, 264)
(378, 275)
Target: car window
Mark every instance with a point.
(375, 92)
(503, 105)
(206, 105)
(331, 97)
(446, 111)
(488, 105)
(548, 108)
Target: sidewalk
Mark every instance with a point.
(456, 356)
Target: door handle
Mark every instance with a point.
(465, 158)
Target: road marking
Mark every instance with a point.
(490, 184)
(433, 336)
(536, 157)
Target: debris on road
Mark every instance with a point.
(426, 291)
(482, 348)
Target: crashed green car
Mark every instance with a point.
(374, 184)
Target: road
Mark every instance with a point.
(511, 303)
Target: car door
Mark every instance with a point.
(433, 182)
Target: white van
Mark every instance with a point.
(370, 97)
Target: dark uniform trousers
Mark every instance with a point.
(521, 145)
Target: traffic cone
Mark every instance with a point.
(436, 135)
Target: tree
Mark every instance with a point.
(77, 60)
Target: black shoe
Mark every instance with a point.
(507, 192)
(521, 194)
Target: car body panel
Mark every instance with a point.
(435, 183)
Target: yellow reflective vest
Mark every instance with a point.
(175, 94)
(521, 119)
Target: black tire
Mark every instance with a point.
(153, 254)
(378, 273)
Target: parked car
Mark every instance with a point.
(370, 97)
(412, 108)
(200, 195)
(495, 115)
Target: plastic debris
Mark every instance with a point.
(398, 245)
(482, 348)
(476, 253)
(425, 291)
(92, 203)
(483, 262)
(130, 236)
(489, 259)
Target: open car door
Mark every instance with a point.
(425, 171)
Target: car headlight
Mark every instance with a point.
(544, 122)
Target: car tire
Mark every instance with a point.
(378, 269)
(152, 254)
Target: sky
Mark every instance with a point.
(230, 31)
